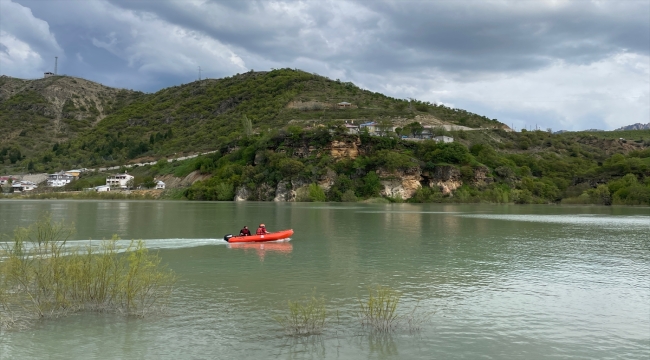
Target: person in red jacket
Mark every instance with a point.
(261, 230)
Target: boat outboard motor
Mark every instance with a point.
(227, 237)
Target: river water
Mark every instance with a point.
(496, 282)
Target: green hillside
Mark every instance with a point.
(36, 114)
(274, 132)
(202, 115)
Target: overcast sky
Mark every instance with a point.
(552, 63)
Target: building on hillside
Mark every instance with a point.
(47, 74)
(102, 188)
(6, 180)
(371, 127)
(443, 139)
(75, 173)
(20, 186)
(119, 181)
(351, 128)
(160, 185)
(344, 104)
(59, 179)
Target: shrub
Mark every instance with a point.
(379, 310)
(43, 276)
(316, 193)
(306, 317)
(348, 196)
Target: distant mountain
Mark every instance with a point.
(566, 131)
(637, 126)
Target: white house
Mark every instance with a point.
(5, 180)
(352, 129)
(102, 188)
(443, 139)
(59, 179)
(119, 181)
(370, 126)
(19, 186)
(160, 185)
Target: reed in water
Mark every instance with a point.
(306, 317)
(44, 275)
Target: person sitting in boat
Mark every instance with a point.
(261, 230)
(245, 231)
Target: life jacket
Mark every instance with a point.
(261, 231)
(245, 232)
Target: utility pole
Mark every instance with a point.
(199, 73)
(56, 64)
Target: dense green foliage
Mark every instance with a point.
(281, 160)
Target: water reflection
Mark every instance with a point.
(304, 347)
(261, 249)
(378, 343)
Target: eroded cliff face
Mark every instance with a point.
(344, 149)
(481, 178)
(446, 177)
(172, 182)
(288, 190)
(400, 183)
(263, 192)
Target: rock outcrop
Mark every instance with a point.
(481, 176)
(287, 190)
(326, 181)
(445, 177)
(343, 149)
(242, 193)
(400, 183)
(172, 181)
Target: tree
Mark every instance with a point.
(316, 193)
(247, 125)
(384, 126)
(415, 129)
(290, 167)
(14, 155)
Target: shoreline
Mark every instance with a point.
(168, 195)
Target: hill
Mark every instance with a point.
(86, 124)
(36, 114)
(637, 126)
(279, 135)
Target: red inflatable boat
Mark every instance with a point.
(274, 236)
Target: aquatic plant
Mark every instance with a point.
(42, 275)
(306, 317)
(379, 310)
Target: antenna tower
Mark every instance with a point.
(56, 64)
(199, 73)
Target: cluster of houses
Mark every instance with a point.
(373, 128)
(62, 178)
(17, 185)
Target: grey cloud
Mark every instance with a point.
(403, 48)
(453, 36)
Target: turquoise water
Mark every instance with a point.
(500, 282)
